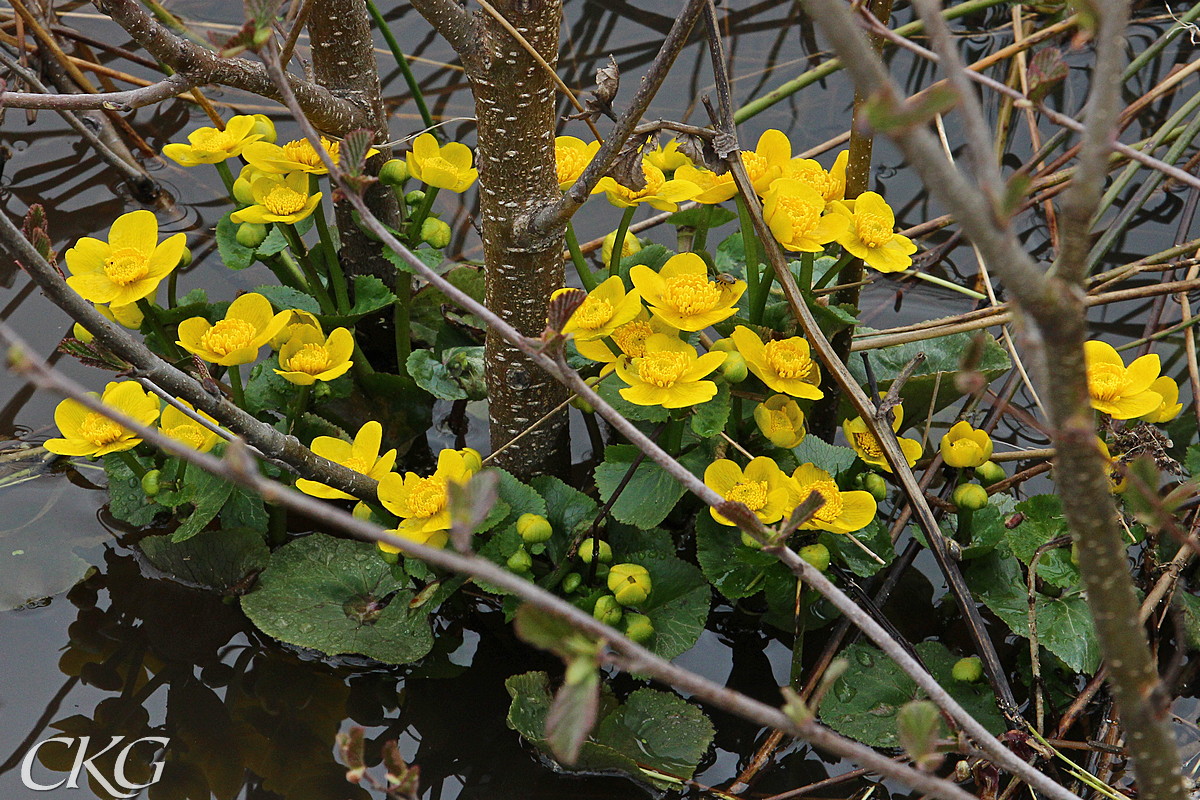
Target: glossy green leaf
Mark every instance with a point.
(215, 559)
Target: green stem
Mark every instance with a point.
(173, 288)
(287, 271)
(276, 524)
(614, 261)
(405, 70)
(336, 276)
(132, 462)
(750, 246)
(585, 273)
(315, 287)
(418, 217)
(151, 318)
(833, 271)
(227, 179)
(945, 284)
(806, 271)
(299, 405)
(235, 385)
(700, 239)
(672, 439)
(401, 322)
(362, 367)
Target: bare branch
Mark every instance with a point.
(115, 101)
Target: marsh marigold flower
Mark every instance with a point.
(90, 433)
(859, 434)
(842, 512)
(764, 164)
(1170, 407)
(781, 421)
(279, 198)
(784, 365)
(660, 193)
(421, 503)
(1119, 391)
(629, 340)
(606, 308)
(446, 167)
(1118, 482)
(964, 446)
(571, 156)
(249, 323)
(669, 374)
(210, 145)
(667, 157)
(630, 246)
(714, 188)
(361, 455)
(182, 428)
(682, 295)
(830, 184)
(871, 233)
(296, 320)
(295, 156)
(129, 266)
(762, 487)
(309, 356)
(794, 212)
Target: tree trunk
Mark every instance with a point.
(514, 105)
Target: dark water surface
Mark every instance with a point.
(123, 653)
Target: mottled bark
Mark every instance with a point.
(514, 105)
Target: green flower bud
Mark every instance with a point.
(150, 482)
(435, 233)
(629, 583)
(415, 197)
(520, 561)
(724, 346)
(389, 558)
(582, 405)
(608, 610)
(874, 483)
(592, 548)
(967, 670)
(571, 582)
(361, 511)
(750, 541)
(734, 369)
(394, 172)
(639, 628)
(990, 472)
(970, 497)
(534, 528)
(251, 234)
(1075, 554)
(472, 459)
(185, 258)
(817, 555)
(265, 128)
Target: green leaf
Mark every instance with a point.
(520, 497)
(678, 603)
(735, 569)
(426, 313)
(234, 255)
(610, 392)
(208, 494)
(731, 255)
(567, 509)
(244, 509)
(1192, 460)
(572, 713)
(1064, 624)
(370, 295)
(126, 500)
(708, 419)
(274, 243)
(831, 458)
(652, 256)
(650, 494)
(874, 536)
(432, 376)
(1043, 520)
(214, 559)
(1191, 618)
(708, 216)
(320, 592)
(285, 298)
(865, 701)
(267, 390)
(429, 257)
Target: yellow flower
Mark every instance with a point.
(630, 246)
(964, 446)
(182, 428)
(361, 455)
(210, 146)
(295, 156)
(279, 199)
(629, 339)
(421, 503)
(1122, 393)
(1170, 407)
(248, 325)
(785, 365)
(129, 316)
(667, 157)
(606, 307)
(447, 167)
(309, 357)
(830, 185)
(296, 320)
(793, 211)
(89, 433)
(129, 266)
(571, 156)
(660, 193)
(762, 487)
(264, 127)
(843, 512)
(1118, 482)
(781, 421)
(669, 374)
(682, 294)
(870, 234)
(867, 446)
(245, 179)
(765, 163)
(714, 188)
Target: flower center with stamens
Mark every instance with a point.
(756, 165)
(631, 337)
(753, 494)
(100, 430)
(873, 229)
(593, 314)
(1106, 381)
(790, 359)
(803, 215)
(228, 335)
(301, 152)
(312, 359)
(192, 435)
(662, 368)
(282, 201)
(356, 464)
(211, 140)
(868, 444)
(569, 163)
(832, 508)
(126, 266)
(426, 498)
(691, 294)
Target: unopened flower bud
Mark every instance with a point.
(394, 172)
(734, 369)
(724, 346)
(608, 610)
(817, 555)
(185, 258)
(251, 234)
(970, 497)
(435, 233)
(571, 582)
(629, 583)
(520, 561)
(874, 483)
(967, 670)
(639, 628)
(534, 528)
(415, 197)
(150, 482)
(990, 472)
(264, 127)
(593, 548)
